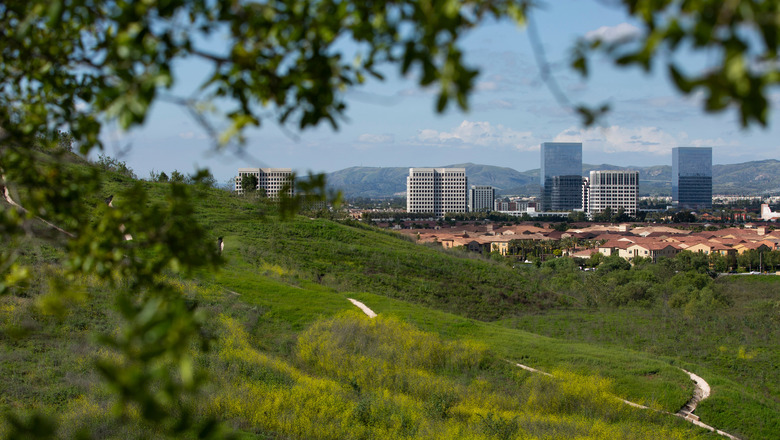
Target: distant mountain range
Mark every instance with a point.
(749, 178)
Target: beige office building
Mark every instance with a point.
(269, 180)
(612, 189)
(437, 190)
(481, 198)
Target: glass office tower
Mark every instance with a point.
(561, 176)
(692, 177)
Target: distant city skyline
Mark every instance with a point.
(393, 123)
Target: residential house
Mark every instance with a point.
(652, 250)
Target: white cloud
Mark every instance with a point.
(617, 139)
(376, 138)
(500, 103)
(192, 135)
(719, 142)
(482, 134)
(614, 34)
(487, 86)
(418, 91)
(494, 104)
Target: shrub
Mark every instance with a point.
(500, 427)
(633, 292)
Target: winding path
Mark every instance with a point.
(10, 200)
(701, 388)
(363, 307)
(701, 391)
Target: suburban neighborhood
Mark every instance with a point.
(625, 240)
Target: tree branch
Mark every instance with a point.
(12, 202)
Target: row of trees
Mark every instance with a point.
(606, 216)
(389, 203)
(542, 249)
(201, 177)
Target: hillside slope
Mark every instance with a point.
(290, 358)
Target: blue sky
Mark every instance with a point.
(393, 123)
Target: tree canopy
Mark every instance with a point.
(740, 38)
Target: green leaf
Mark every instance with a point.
(680, 80)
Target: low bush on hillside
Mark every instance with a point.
(353, 377)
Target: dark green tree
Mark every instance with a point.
(595, 259)
(613, 262)
(604, 216)
(249, 183)
(718, 262)
(620, 216)
(177, 176)
(683, 216)
(577, 216)
(692, 261)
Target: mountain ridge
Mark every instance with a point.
(747, 178)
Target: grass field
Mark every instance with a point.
(301, 362)
(735, 347)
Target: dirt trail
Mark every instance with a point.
(532, 370)
(700, 392)
(363, 307)
(10, 200)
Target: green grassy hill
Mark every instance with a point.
(291, 357)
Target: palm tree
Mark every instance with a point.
(569, 243)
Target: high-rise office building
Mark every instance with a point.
(481, 198)
(269, 180)
(613, 189)
(692, 177)
(436, 190)
(561, 176)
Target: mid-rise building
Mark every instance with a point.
(436, 190)
(481, 198)
(514, 206)
(561, 176)
(692, 177)
(613, 189)
(269, 180)
(767, 214)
